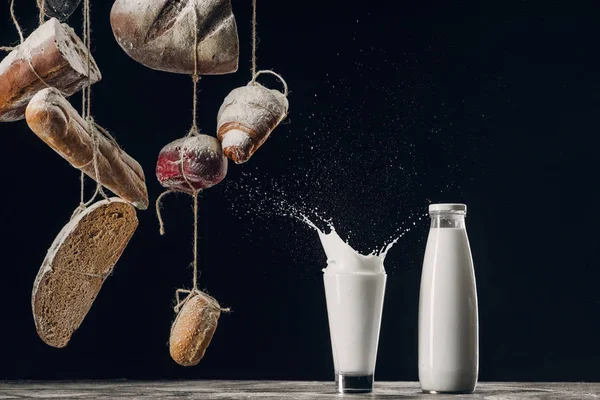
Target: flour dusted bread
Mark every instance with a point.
(80, 259)
(193, 329)
(191, 164)
(161, 34)
(247, 117)
(52, 118)
(53, 52)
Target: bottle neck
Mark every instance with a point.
(448, 220)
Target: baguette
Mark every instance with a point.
(193, 329)
(51, 117)
(81, 257)
(57, 55)
(160, 34)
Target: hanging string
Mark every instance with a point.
(86, 110)
(195, 78)
(253, 37)
(16, 24)
(195, 280)
(41, 4)
(158, 212)
(268, 71)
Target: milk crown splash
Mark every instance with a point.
(343, 259)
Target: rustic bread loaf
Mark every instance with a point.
(160, 34)
(57, 55)
(56, 122)
(191, 164)
(81, 257)
(193, 329)
(247, 117)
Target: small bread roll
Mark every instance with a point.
(191, 164)
(247, 117)
(193, 329)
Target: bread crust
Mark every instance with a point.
(247, 117)
(193, 329)
(52, 118)
(77, 264)
(57, 55)
(161, 34)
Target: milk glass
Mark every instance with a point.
(354, 308)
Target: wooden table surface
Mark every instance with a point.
(209, 390)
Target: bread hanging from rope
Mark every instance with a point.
(53, 52)
(193, 329)
(51, 117)
(247, 117)
(161, 34)
(191, 164)
(80, 259)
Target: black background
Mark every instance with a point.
(393, 105)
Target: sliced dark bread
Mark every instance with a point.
(80, 259)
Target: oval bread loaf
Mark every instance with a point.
(193, 329)
(77, 264)
(160, 34)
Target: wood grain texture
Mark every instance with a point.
(238, 390)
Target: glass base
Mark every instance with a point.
(448, 391)
(346, 383)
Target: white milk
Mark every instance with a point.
(448, 326)
(354, 289)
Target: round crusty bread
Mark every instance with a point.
(161, 34)
(81, 257)
(193, 329)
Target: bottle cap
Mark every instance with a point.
(448, 207)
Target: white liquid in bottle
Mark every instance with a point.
(448, 321)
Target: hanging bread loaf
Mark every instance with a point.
(193, 329)
(51, 117)
(246, 119)
(56, 55)
(80, 259)
(160, 34)
(191, 164)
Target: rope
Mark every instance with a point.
(86, 111)
(41, 4)
(190, 295)
(253, 37)
(195, 78)
(158, 212)
(267, 71)
(17, 26)
(195, 280)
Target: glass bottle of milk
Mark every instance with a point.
(448, 322)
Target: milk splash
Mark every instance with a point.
(343, 259)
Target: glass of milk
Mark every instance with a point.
(354, 289)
